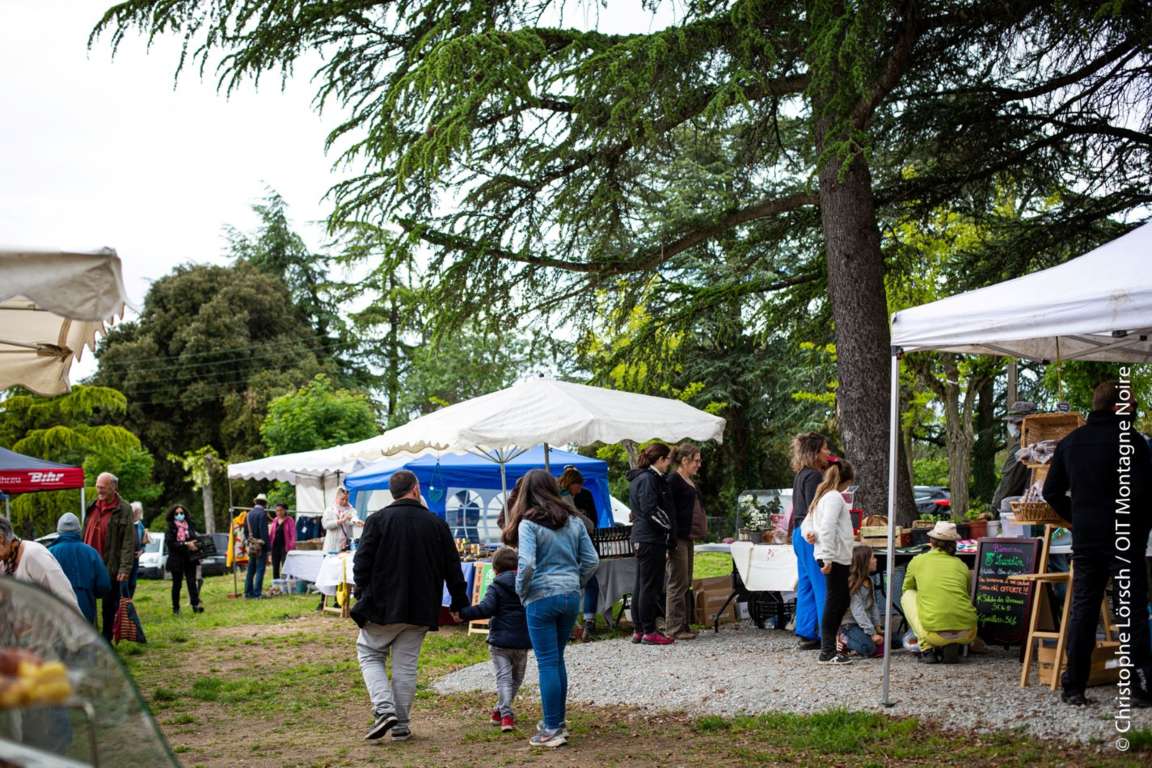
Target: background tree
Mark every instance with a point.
(72, 429)
(521, 152)
(211, 348)
(317, 415)
(202, 466)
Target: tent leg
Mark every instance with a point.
(504, 494)
(893, 426)
(547, 463)
(83, 507)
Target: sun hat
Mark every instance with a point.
(1019, 409)
(944, 531)
(261, 497)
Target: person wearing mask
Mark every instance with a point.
(653, 533)
(937, 598)
(572, 490)
(1100, 481)
(556, 558)
(142, 539)
(810, 454)
(831, 521)
(31, 562)
(690, 523)
(256, 527)
(282, 533)
(109, 530)
(405, 559)
(81, 565)
(1014, 473)
(183, 556)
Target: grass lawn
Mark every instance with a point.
(274, 683)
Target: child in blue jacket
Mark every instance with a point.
(508, 642)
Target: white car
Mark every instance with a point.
(154, 558)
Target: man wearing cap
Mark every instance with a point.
(256, 526)
(1014, 473)
(1100, 481)
(936, 598)
(81, 564)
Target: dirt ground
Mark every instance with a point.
(305, 705)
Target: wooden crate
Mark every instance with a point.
(1048, 426)
(1105, 665)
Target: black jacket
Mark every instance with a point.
(507, 625)
(405, 557)
(683, 495)
(179, 552)
(804, 487)
(1089, 463)
(648, 492)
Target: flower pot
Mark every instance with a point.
(964, 529)
(977, 529)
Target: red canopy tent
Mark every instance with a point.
(25, 474)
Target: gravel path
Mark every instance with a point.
(745, 670)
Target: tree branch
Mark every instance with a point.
(897, 63)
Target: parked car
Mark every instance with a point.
(216, 564)
(932, 499)
(154, 558)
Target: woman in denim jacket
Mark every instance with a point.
(556, 560)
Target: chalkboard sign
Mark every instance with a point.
(1004, 607)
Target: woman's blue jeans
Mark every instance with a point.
(550, 621)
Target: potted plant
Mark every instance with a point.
(756, 518)
(978, 515)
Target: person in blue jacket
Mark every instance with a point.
(508, 641)
(82, 565)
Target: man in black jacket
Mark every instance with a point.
(405, 557)
(1105, 467)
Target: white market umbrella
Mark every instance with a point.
(501, 425)
(553, 412)
(52, 306)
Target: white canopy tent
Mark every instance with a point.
(1095, 307)
(52, 306)
(315, 474)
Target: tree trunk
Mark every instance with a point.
(860, 312)
(958, 425)
(984, 478)
(209, 510)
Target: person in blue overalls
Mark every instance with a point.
(810, 456)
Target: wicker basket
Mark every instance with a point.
(1035, 513)
(1048, 426)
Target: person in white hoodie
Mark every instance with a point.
(832, 524)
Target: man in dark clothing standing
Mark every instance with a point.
(405, 557)
(256, 527)
(1101, 482)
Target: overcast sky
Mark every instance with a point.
(112, 152)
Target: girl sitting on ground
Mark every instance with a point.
(860, 629)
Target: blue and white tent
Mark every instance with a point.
(465, 488)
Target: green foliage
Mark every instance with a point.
(68, 429)
(317, 416)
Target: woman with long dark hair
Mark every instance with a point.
(809, 460)
(690, 524)
(572, 490)
(556, 558)
(183, 555)
(653, 521)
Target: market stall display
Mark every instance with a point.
(65, 698)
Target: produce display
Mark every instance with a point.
(25, 679)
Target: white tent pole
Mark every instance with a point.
(83, 506)
(547, 464)
(504, 490)
(894, 431)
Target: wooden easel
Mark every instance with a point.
(1041, 613)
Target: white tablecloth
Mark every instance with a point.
(327, 571)
(765, 567)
